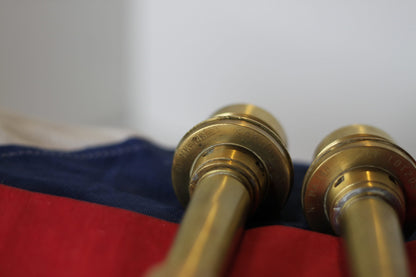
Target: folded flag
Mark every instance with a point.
(111, 211)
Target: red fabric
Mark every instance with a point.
(44, 235)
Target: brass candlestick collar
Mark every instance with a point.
(357, 161)
(243, 141)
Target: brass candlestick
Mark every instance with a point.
(363, 186)
(230, 166)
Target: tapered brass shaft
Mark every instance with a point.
(229, 167)
(363, 187)
(383, 253)
(215, 216)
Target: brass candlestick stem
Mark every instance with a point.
(363, 186)
(230, 166)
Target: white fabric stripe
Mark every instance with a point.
(24, 130)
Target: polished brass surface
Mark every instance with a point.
(245, 127)
(375, 248)
(229, 167)
(363, 186)
(213, 221)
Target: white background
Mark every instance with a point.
(162, 66)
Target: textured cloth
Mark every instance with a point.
(111, 211)
(133, 175)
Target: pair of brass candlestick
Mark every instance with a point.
(235, 165)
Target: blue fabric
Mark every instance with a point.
(132, 175)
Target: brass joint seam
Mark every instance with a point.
(358, 183)
(279, 137)
(228, 159)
